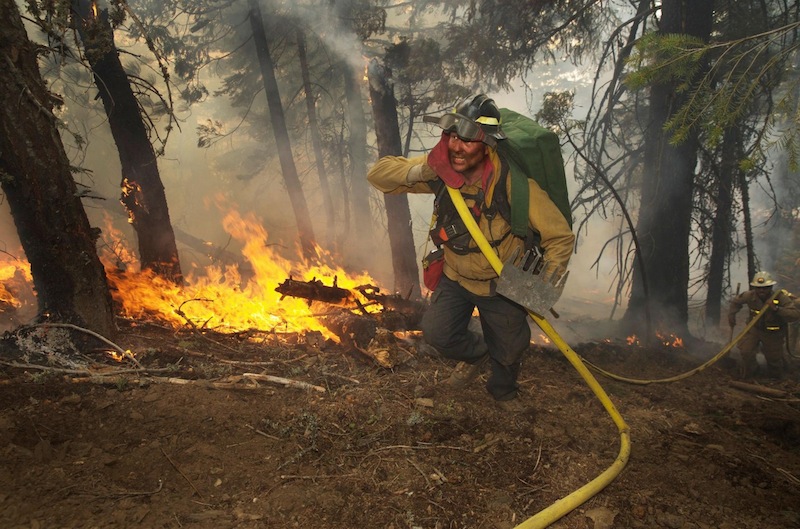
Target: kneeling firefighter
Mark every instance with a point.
(466, 158)
(770, 332)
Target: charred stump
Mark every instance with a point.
(354, 330)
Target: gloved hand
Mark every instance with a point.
(439, 161)
(732, 321)
(419, 173)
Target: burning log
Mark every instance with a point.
(410, 310)
(314, 290)
(397, 313)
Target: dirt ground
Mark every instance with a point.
(183, 435)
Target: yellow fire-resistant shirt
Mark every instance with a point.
(472, 270)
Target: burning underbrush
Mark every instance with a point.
(219, 298)
(277, 293)
(279, 299)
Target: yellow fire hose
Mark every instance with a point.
(572, 501)
(725, 350)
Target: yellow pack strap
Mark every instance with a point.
(568, 503)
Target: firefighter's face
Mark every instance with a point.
(466, 157)
(763, 292)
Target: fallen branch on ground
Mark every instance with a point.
(762, 390)
(284, 381)
(105, 373)
(109, 381)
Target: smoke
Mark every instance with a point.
(775, 203)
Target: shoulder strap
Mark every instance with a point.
(483, 244)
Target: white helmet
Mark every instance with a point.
(762, 279)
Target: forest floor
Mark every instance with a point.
(184, 435)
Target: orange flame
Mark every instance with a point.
(541, 339)
(131, 189)
(221, 300)
(115, 356)
(670, 340)
(15, 277)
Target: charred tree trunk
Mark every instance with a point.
(290, 177)
(666, 209)
(316, 142)
(748, 227)
(721, 230)
(142, 190)
(401, 236)
(35, 175)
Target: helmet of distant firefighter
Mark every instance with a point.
(762, 279)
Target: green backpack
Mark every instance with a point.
(532, 151)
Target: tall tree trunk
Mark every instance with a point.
(748, 226)
(338, 158)
(666, 209)
(278, 120)
(316, 141)
(387, 131)
(142, 190)
(721, 229)
(359, 187)
(55, 233)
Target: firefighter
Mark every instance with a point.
(770, 331)
(466, 158)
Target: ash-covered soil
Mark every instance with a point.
(186, 436)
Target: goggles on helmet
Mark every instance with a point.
(465, 128)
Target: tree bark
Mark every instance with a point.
(35, 176)
(387, 131)
(666, 206)
(142, 190)
(747, 221)
(721, 229)
(278, 120)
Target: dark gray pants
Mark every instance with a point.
(506, 333)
